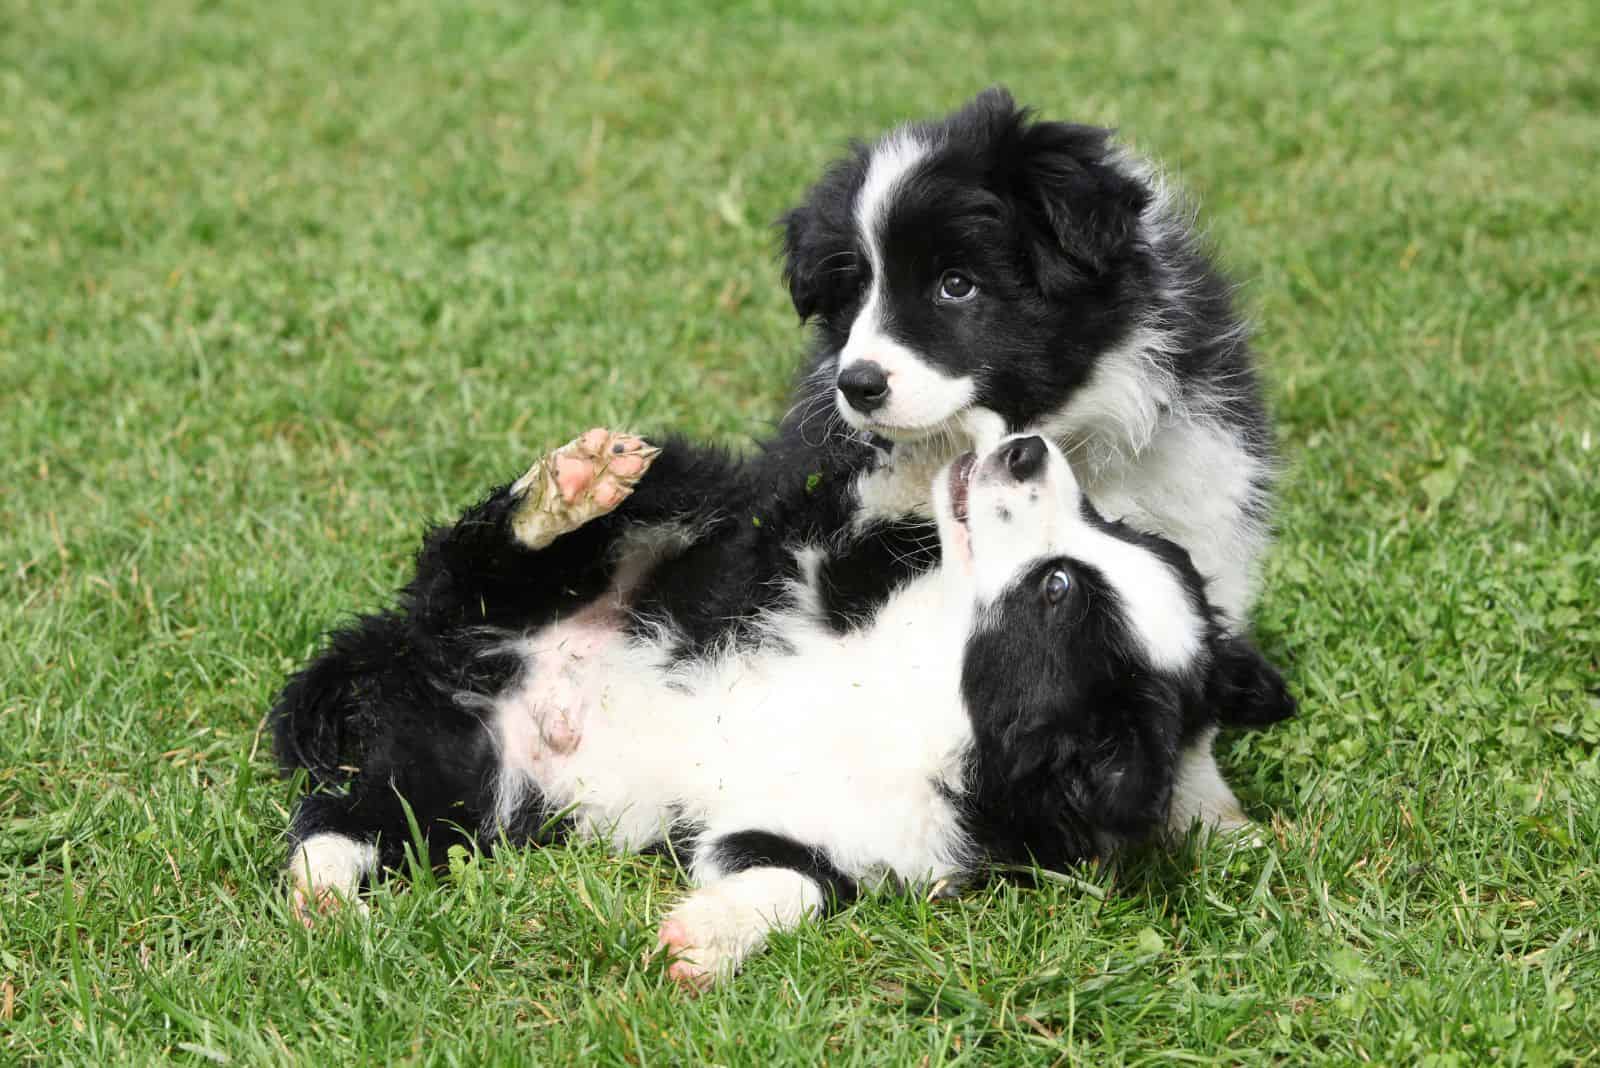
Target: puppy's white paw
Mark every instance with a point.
(583, 480)
(711, 932)
(707, 938)
(325, 873)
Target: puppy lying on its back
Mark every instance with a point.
(1029, 699)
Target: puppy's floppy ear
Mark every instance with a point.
(1132, 781)
(1243, 689)
(800, 261)
(1084, 209)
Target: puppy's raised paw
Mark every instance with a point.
(584, 479)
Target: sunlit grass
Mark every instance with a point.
(280, 282)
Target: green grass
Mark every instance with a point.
(278, 281)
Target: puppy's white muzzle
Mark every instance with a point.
(1003, 508)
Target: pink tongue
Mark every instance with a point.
(960, 476)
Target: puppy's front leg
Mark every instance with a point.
(713, 930)
(1201, 795)
(1243, 690)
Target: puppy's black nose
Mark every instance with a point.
(1025, 457)
(864, 386)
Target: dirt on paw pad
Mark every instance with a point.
(582, 480)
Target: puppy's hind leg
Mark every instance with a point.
(756, 883)
(325, 875)
(330, 859)
(582, 480)
(713, 930)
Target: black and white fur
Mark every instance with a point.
(1092, 315)
(1028, 700)
(1087, 310)
(992, 263)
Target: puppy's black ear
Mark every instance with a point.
(1243, 689)
(1084, 207)
(800, 261)
(1133, 778)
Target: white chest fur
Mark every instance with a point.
(1188, 479)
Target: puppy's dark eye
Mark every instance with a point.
(1056, 585)
(956, 287)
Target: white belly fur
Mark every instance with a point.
(842, 743)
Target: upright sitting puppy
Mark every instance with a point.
(1028, 700)
(991, 263)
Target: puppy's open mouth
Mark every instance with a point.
(960, 478)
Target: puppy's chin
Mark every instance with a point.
(902, 434)
(980, 428)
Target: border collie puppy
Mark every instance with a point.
(1030, 699)
(1035, 270)
(993, 263)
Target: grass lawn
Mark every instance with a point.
(280, 281)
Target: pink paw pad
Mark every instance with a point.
(689, 974)
(583, 480)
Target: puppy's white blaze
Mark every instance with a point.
(1157, 608)
(920, 397)
(892, 159)
(332, 862)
